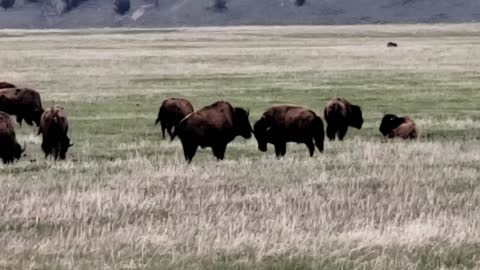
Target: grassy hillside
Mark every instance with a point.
(125, 199)
(175, 13)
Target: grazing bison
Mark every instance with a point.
(282, 124)
(54, 128)
(6, 85)
(392, 44)
(393, 126)
(171, 112)
(23, 102)
(9, 147)
(212, 126)
(339, 115)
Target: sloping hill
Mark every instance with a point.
(169, 13)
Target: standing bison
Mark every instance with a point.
(171, 112)
(4, 85)
(22, 102)
(282, 124)
(9, 147)
(339, 115)
(54, 128)
(213, 126)
(393, 126)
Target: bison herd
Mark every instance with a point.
(213, 126)
(218, 124)
(26, 105)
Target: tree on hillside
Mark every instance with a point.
(71, 4)
(122, 6)
(7, 3)
(219, 5)
(300, 2)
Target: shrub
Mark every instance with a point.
(122, 6)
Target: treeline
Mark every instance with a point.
(121, 7)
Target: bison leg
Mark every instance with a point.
(280, 149)
(219, 151)
(342, 131)
(331, 131)
(311, 147)
(189, 151)
(170, 131)
(19, 120)
(163, 126)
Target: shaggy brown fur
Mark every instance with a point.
(171, 112)
(54, 129)
(398, 127)
(339, 115)
(212, 126)
(9, 147)
(23, 102)
(282, 124)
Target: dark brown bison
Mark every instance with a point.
(24, 103)
(54, 129)
(10, 150)
(6, 85)
(212, 126)
(393, 126)
(339, 115)
(171, 112)
(392, 44)
(282, 124)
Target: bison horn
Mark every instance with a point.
(70, 145)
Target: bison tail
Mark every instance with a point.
(318, 133)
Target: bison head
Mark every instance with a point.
(260, 130)
(389, 123)
(242, 123)
(356, 118)
(65, 145)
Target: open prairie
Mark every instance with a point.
(125, 198)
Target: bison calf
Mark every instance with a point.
(282, 124)
(10, 150)
(212, 126)
(171, 112)
(339, 115)
(54, 128)
(393, 126)
(22, 102)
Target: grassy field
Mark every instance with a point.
(125, 199)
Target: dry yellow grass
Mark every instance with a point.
(127, 200)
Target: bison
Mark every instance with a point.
(10, 150)
(393, 126)
(392, 44)
(54, 128)
(171, 112)
(212, 126)
(282, 124)
(6, 85)
(339, 115)
(23, 102)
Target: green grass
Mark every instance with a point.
(125, 199)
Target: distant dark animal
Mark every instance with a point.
(6, 85)
(121, 7)
(393, 126)
(392, 44)
(339, 115)
(24, 103)
(10, 150)
(212, 126)
(171, 112)
(282, 124)
(300, 2)
(54, 129)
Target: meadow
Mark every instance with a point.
(126, 199)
